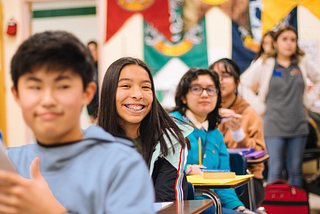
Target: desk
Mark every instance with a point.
(204, 186)
(186, 207)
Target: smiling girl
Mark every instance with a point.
(129, 107)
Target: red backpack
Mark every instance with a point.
(282, 198)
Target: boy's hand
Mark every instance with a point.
(20, 195)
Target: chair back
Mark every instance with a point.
(238, 164)
(191, 193)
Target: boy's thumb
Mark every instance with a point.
(35, 169)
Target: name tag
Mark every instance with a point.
(277, 73)
(295, 72)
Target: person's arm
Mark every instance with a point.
(168, 176)
(314, 76)
(253, 129)
(228, 197)
(249, 78)
(131, 189)
(21, 195)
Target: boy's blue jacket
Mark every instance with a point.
(216, 156)
(97, 175)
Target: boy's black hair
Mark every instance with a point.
(183, 88)
(53, 50)
(153, 127)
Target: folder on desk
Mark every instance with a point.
(256, 154)
(197, 179)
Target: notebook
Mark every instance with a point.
(256, 154)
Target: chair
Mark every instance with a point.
(238, 164)
(212, 195)
(191, 193)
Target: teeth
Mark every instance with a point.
(134, 107)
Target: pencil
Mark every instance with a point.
(200, 157)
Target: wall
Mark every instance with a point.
(16, 128)
(85, 27)
(127, 42)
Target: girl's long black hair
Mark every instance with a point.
(183, 88)
(153, 127)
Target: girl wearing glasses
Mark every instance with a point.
(129, 107)
(244, 131)
(198, 99)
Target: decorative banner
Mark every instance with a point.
(275, 11)
(195, 10)
(246, 44)
(169, 60)
(191, 48)
(155, 12)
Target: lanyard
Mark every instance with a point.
(204, 149)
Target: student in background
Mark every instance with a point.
(198, 99)
(71, 171)
(129, 107)
(244, 131)
(266, 47)
(94, 104)
(282, 100)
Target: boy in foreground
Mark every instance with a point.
(65, 172)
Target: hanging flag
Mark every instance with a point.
(189, 47)
(155, 12)
(173, 58)
(246, 43)
(275, 11)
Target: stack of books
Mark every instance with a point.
(216, 173)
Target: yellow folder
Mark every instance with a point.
(197, 179)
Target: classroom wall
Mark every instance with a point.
(85, 27)
(127, 42)
(16, 128)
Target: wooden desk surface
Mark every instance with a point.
(258, 160)
(186, 207)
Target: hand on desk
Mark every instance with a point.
(194, 169)
(245, 211)
(21, 195)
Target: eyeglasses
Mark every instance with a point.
(197, 90)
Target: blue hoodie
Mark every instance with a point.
(100, 174)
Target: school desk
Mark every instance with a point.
(204, 186)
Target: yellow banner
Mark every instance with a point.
(214, 2)
(274, 11)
